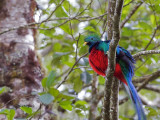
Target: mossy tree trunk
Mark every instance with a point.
(20, 69)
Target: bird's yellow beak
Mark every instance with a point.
(85, 43)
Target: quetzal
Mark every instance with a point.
(124, 68)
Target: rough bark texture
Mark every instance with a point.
(108, 83)
(94, 101)
(20, 69)
(114, 99)
(111, 83)
(111, 9)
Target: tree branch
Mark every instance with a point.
(147, 102)
(130, 14)
(108, 83)
(65, 78)
(30, 25)
(111, 58)
(114, 99)
(128, 3)
(153, 35)
(111, 9)
(135, 56)
(153, 88)
(151, 77)
(54, 10)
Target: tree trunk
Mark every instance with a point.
(20, 69)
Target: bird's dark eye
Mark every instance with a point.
(91, 38)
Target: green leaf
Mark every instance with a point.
(80, 102)
(3, 89)
(46, 98)
(26, 109)
(57, 47)
(90, 29)
(64, 96)
(152, 18)
(123, 118)
(48, 34)
(50, 79)
(83, 50)
(66, 105)
(101, 80)
(11, 114)
(78, 84)
(8, 112)
(54, 92)
(81, 105)
(66, 28)
(152, 112)
(60, 12)
(145, 25)
(43, 82)
(57, 57)
(4, 111)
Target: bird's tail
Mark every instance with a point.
(135, 99)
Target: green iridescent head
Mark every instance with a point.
(92, 38)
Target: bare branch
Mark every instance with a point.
(54, 11)
(30, 25)
(151, 77)
(146, 53)
(128, 3)
(153, 35)
(153, 88)
(123, 100)
(147, 102)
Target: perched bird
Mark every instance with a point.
(124, 68)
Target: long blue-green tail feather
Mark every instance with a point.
(127, 67)
(136, 100)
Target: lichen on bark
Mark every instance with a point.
(20, 68)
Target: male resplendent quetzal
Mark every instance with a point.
(124, 69)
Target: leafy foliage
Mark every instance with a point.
(65, 32)
(61, 36)
(8, 112)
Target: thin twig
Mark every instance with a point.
(30, 25)
(153, 35)
(80, 67)
(54, 10)
(87, 7)
(128, 3)
(77, 46)
(65, 78)
(130, 14)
